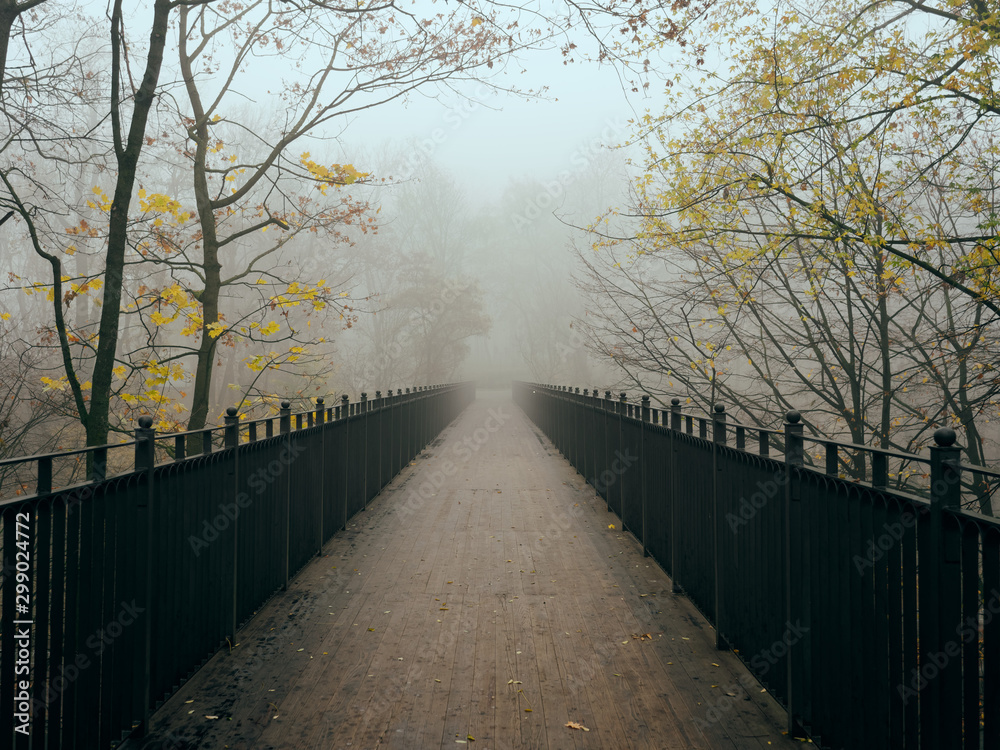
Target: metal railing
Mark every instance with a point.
(872, 615)
(116, 590)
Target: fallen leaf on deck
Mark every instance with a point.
(576, 725)
(211, 717)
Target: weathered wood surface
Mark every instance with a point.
(482, 595)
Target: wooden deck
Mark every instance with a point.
(489, 612)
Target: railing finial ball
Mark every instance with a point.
(232, 411)
(286, 404)
(145, 421)
(945, 437)
(675, 401)
(793, 417)
(320, 401)
(720, 408)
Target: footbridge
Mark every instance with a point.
(535, 568)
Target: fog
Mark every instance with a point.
(218, 205)
(386, 229)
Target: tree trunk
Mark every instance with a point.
(210, 242)
(97, 422)
(8, 14)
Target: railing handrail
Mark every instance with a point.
(887, 452)
(52, 456)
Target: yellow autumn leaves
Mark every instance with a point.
(832, 129)
(335, 174)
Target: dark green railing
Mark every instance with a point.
(117, 589)
(871, 614)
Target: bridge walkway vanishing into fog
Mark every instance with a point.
(484, 598)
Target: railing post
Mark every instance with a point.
(321, 420)
(718, 441)
(796, 591)
(577, 434)
(232, 421)
(940, 714)
(145, 461)
(594, 432)
(620, 483)
(377, 405)
(232, 441)
(285, 428)
(344, 399)
(400, 415)
(363, 409)
(675, 429)
(609, 407)
(644, 475)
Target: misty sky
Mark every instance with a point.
(499, 137)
